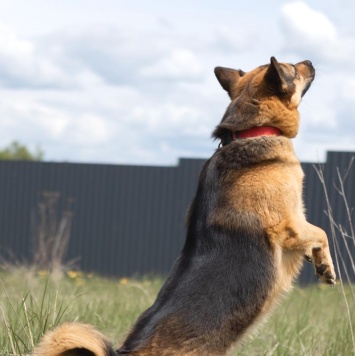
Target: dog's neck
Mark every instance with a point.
(256, 131)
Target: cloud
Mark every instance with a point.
(179, 64)
(133, 84)
(327, 117)
(238, 38)
(131, 56)
(23, 65)
(73, 58)
(110, 124)
(311, 32)
(308, 24)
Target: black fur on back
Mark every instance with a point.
(221, 279)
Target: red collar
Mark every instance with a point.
(256, 131)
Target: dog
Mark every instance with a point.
(247, 235)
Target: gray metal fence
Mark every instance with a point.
(129, 220)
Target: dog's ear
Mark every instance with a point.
(228, 77)
(276, 77)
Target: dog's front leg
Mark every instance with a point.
(321, 258)
(313, 242)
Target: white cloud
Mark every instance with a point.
(13, 47)
(308, 24)
(311, 32)
(179, 64)
(89, 128)
(135, 84)
(236, 39)
(121, 56)
(165, 117)
(23, 65)
(347, 89)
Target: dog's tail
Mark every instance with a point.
(74, 339)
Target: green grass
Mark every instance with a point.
(309, 321)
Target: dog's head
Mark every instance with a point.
(266, 96)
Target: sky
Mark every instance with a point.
(132, 81)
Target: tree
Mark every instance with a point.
(18, 152)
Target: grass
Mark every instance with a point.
(310, 321)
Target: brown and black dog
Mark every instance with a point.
(247, 234)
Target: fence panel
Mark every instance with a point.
(130, 220)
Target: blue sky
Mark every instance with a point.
(132, 81)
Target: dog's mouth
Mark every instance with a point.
(255, 131)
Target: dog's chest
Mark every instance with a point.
(269, 191)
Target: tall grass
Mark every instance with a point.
(342, 232)
(33, 303)
(26, 315)
(310, 321)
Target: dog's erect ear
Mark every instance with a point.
(228, 77)
(276, 77)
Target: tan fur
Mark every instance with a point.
(73, 336)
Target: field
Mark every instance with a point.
(309, 321)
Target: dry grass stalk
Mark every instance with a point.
(52, 233)
(346, 235)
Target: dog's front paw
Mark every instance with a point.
(326, 274)
(323, 265)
